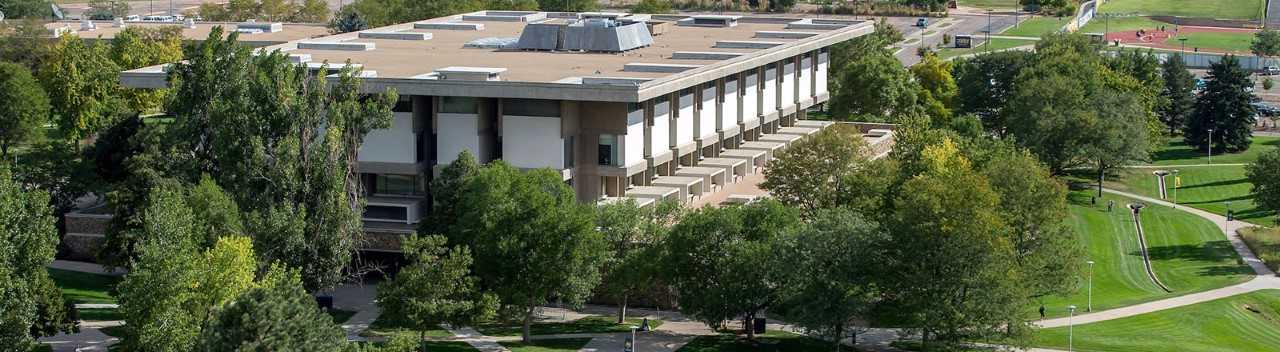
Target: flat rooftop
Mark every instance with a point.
(392, 56)
(108, 30)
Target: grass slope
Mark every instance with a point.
(1179, 153)
(1249, 322)
(1204, 188)
(84, 287)
(1037, 26)
(556, 345)
(994, 45)
(1188, 253)
(1221, 9)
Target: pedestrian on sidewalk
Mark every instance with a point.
(1041, 312)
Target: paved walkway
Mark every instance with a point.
(1265, 279)
(86, 267)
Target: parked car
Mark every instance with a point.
(1269, 71)
(922, 22)
(1266, 109)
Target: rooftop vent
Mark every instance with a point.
(784, 34)
(87, 25)
(492, 43)
(461, 73)
(745, 44)
(658, 68)
(710, 21)
(259, 27)
(343, 46)
(615, 81)
(599, 35)
(810, 23)
(395, 35)
(450, 26)
(504, 16)
(601, 15)
(704, 55)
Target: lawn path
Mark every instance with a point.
(1265, 279)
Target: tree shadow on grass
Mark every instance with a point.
(1211, 252)
(1215, 184)
(1232, 199)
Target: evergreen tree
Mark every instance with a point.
(277, 315)
(435, 287)
(1223, 107)
(1178, 93)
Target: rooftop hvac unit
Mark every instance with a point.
(596, 34)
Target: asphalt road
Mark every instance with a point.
(975, 25)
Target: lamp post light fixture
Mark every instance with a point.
(1071, 312)
(1089, 308)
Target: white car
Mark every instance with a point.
(1269, 71)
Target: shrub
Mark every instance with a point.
(946, 39)
(652, 7)
(1265, 243)
(1267, 84)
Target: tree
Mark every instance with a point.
(30, 306)
(831, 169)
(113, 147)
(216, 214)
(934, 75)
(276, 315)
(531, 238)
(781, 5)
(652, 7)
(289, 162)
(347, 20)
(634, 236)
(1034, 205)
(1224, 107)
(83, 86)
(25, 42)
(435, 287)
(311, 11)
(1178, 93)
(843, 53)
(138, 47)
(725, 263)
(24, 107)
(568, 5)
(35, 9)
(832, 267)
(56, 168)
(1266, 43)
(950, 271)
(874, 87)
(174, 288)
(1264, 174)
(107, 9)
(387, 12)
(446, 195)
(986, 84)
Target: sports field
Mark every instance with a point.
(1249, 322)
(994, 45)
(1220, 9)
(1037, 26)
(1189, 254)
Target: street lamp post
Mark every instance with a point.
(1210, 146)
(1071, 311)
(1090, 307)
(1184, 46)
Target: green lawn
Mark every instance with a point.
(1120, 24)
(989, 4)
(1037, 26)
(1222, 9)
(1204, 188)
(772, 341)
(1249, 322)
(100, 314)
(594, 324)
(1179, 153)
(1188, 253)
(994, 45)
(383, 328)
(1233, 42)
(81, 287)
(557, 345)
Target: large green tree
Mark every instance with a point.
(874, 87)
(832, 264)
(1178, 94)
(288, 161)
(949, 270)
(435, 287)
(24, 107)
(83, 86)
(24, 42)
(634, 236)
(831, 169)
(138, 47)
(1264, 174)
(30, 305)
(36, 9)
(533, 241)
(727, 262)
(1223, 107)
(1266, 43)
(446, 194)
(275, 315)
(986, 84)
